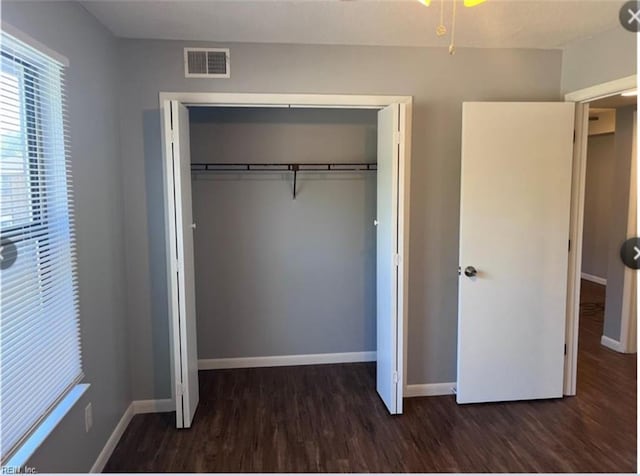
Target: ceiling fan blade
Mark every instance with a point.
(473, 3)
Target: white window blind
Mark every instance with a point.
(39, 334)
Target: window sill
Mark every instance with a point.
(29, 447)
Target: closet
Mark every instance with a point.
(284, 201)
(285, 227)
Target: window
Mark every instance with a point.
(39, 334)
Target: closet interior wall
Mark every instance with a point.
(274, 275)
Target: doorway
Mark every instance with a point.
(607, 287)
(522, 200)
(620, 280)
(391, 222)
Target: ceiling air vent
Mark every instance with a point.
(206, 63)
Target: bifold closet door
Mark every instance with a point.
(181, 229)
(389, 340)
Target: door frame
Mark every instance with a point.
(578, 181)
(335, 101)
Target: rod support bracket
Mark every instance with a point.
(295, 168)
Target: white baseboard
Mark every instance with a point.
(285, 360)
(136, 407)
(429, 389)
(611, 344)
(594, 279)
(153, 406)
(113, 440)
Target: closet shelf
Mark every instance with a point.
(285, 167)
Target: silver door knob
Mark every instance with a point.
(470, 272)
(375, 222)
(193, 226)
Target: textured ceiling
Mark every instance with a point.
(496, 23)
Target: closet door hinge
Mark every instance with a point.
(397, 137)
(179, 389)
(396, 259)
(173, 136)
(395, 377)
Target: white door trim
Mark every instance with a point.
(602, 90)
(339, 101)
(628, 323)
(404, 202)
(581, 98)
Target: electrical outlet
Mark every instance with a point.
(88, 418)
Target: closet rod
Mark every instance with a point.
(251, 167)
(284, 167)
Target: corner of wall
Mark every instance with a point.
(604, 57)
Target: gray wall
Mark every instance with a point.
(269, 135)
(604, 57)
(277, 276)
(93, 113)
(618, 225)
(597, 204)
(140, 69)
(438, 82)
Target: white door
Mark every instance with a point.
(389, 345)
(514, 235)
(181, 229)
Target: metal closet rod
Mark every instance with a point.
(284, 167)
(321, 167)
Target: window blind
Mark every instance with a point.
(39, 333)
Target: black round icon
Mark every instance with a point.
(630, 253)
(8, 253)
(630, 16)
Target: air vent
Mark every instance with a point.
(206, 63)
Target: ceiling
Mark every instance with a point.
(613, 102)
(497, 23)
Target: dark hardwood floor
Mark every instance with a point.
(328, 418)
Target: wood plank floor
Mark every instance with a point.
(328, 418)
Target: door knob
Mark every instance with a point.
(193, 226)
(375, 222)
(470, 272)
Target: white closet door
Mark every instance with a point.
(184, 336)
(514, 236)
(389, 345)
